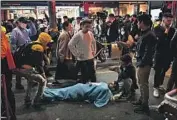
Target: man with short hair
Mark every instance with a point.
(20, 36)
(163, 55)
(83, 47)
(32, 69)
(145, 50)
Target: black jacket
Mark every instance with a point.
(34, 58)
(127, 28)
(173, 45)
(113, 33)
(145, 48)
(126, 72)
(134, 30)
(163, 50)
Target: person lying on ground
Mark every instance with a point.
(98, 93)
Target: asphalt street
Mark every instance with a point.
(85, 111)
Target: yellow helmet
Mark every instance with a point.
(44, 38)
(3, 29)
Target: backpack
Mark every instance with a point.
(21, 52)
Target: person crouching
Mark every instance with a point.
(126, 83)
(32, 69)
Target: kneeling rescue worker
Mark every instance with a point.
(31, 66)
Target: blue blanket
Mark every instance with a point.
(97, 93)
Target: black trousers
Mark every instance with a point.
(160, 70)
(66, 70)
(87, 70)
(10, 94)
(173, 77)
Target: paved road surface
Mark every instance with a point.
(85, 111)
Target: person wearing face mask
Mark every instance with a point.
(19, 36)
(163, 54)
(83, 47)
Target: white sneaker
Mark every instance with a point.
(156, 93)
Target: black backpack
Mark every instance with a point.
(21, 52)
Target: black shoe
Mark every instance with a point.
(19, 87)
(136, 103)
(142, 110)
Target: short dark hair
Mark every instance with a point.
(111, 15)
(79, 18)
(126, 58)
(87, 21)
(146, 19)
(166, 15)
(65, 17)
(23, 20)
(65, 24)
(134, 15)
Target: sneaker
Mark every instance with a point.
(156, 93)
(117, 96)
(19, 87)
(142, 110)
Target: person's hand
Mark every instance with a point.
(166, 30)
(81, 56)
(44, 76)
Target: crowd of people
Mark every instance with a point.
(31, 43)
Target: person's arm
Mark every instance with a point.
(173, 44)
(125, 73)
(62, 45)
(14, 40)
(72, 45)
(32, 29)
(93, 44)
(149, 48)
